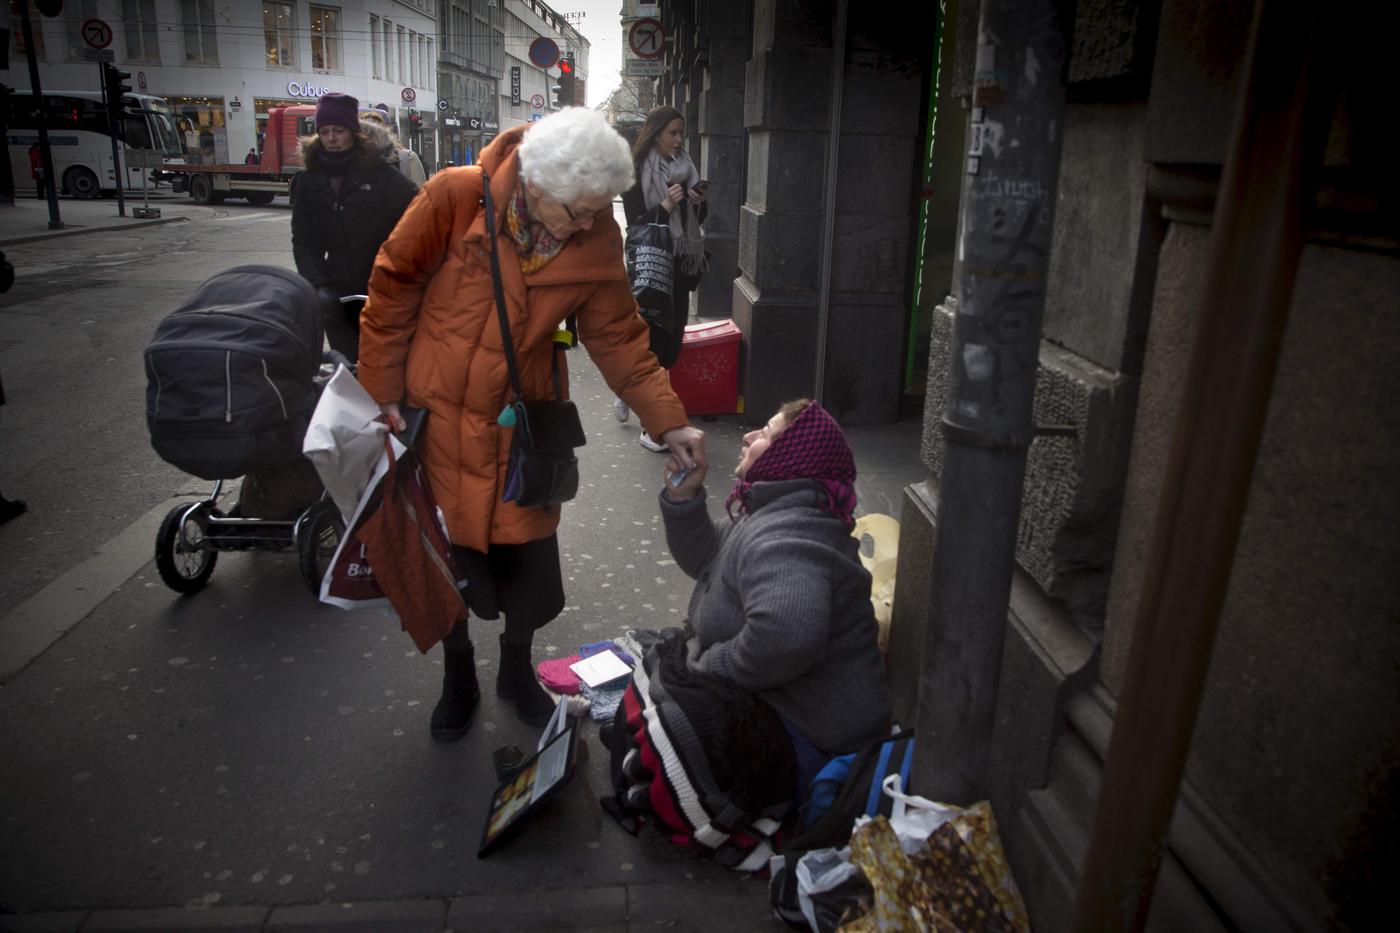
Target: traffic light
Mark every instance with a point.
(415, 123)
(113, 88)
(564, 90)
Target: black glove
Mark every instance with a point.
(329, 300)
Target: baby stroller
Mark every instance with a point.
(233, 376)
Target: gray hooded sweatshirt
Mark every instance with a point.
(781, 607)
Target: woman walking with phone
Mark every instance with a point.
(668, 191)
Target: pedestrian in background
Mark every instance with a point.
(344, 204)
(390, 149)
(668, 191)
(251, 158)
(36, 170)
(431, 338)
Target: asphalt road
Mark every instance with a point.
(246, 745)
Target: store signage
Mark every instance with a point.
(515, 84)
(490, 125)
(297, 89)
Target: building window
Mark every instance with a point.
(198, 20)
(388, 51)
(375, 70)
(325, 38)
(412, 57)
(77, 14)
(403, 56)
(279, 22)
(18, 32)
(139, 24)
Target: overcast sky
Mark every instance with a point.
(602, 27)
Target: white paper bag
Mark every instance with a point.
(344, 440)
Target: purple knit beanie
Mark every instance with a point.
(336, 109)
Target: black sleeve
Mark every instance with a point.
(402, 191)
(308, 244)
(634, 207)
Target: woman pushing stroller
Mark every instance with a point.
(343, 206)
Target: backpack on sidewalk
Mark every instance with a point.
(846, 787)
(229, 374)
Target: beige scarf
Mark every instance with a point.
(658, 174)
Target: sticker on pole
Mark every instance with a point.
(647, 38)
(96, 33)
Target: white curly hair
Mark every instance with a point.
(575, 153)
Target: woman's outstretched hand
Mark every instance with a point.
(686, 460)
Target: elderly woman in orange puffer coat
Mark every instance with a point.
(430, 337)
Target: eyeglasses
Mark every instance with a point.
(582, 215)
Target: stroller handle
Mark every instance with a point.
(336, 358)
(349, 299)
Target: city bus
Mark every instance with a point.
(80, 138)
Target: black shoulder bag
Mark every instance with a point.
(543, 470)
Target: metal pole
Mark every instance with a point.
(115, 119)
(1003, 248)
(833, 152)
(1280, 129)
(55, 222)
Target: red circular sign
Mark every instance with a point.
(544, 52)
(409, 95)
(647, 38)
(96, 33)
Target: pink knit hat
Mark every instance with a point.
(336, 109)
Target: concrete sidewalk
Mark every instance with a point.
(28, 219)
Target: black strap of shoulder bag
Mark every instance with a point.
(543, 469)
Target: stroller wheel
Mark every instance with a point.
(318, 536)
(183, 558)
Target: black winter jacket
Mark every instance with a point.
(335, 238)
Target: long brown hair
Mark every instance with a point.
(656, 121)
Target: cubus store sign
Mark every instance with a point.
(298, 89)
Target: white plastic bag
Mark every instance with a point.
(345, 440)
(912, 817)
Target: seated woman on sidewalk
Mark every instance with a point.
(778, 668)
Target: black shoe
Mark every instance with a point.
(516, 681)
(11, 508)
(460, 696)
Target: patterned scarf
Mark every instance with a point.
(812, 447)
(535, 245)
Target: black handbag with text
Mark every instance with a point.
(543, 470)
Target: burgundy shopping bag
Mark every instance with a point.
(409, 550)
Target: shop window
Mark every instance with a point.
(139, 25)
(279, 31)
(20, 51)
(197, 21)
(325, 38)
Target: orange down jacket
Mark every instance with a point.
(429, 336)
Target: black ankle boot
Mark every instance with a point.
(460, 695)
(516, 681)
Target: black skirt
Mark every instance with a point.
(523, 581)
